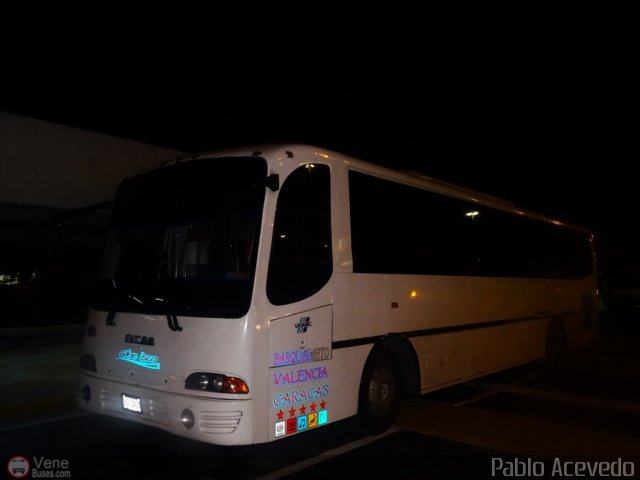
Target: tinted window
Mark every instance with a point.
(301, 260)
(183, 240)
(397, 228)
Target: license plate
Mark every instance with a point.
(132, 404)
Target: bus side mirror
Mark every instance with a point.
(273, 182)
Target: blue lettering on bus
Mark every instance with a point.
(291, 397)
(141, 359)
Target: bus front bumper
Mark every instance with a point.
(216, 421)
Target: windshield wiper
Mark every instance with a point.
(172, 321)
(113, 308)
(169, 253)
(136, 299)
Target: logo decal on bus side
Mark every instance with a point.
(304, 421)
(139, 339)
(141, 359)
(303, 324)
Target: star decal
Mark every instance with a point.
(303, 410)
(292, 412)
(313, 406)
(323, 405)
(280, 415)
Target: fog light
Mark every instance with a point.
(85, 393)
(187, 419)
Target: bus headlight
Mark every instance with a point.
(215, 382)
(203, 381)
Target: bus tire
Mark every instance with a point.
(556, 343)
(380, 391)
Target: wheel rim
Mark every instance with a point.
(381, 390)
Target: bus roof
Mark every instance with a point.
(275, 153)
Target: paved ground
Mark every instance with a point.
(590, 405)
(37, 380)
(589, 408)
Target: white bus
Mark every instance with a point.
(254, 294)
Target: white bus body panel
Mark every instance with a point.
(422, 308)
(287, 354)
(219, 421)
(202, 346)
(300, 373)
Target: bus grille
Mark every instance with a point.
(219, 422)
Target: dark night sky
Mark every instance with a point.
(544, 126)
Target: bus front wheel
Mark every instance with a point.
(380, 391)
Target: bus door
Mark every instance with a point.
(299, 386)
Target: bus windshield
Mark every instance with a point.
(183, 240)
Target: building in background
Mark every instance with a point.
(55, 185)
